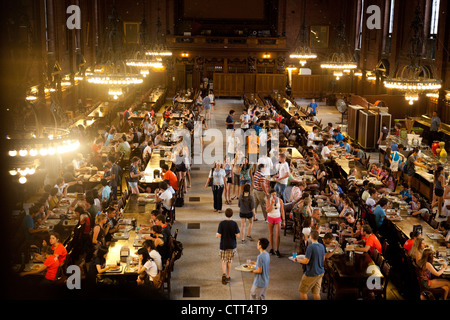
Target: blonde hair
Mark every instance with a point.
(99, 218)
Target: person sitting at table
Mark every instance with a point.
(150, 268)
(338, 137)
(371, 202)
(123, 147)
(380, 212)
(388, 181)
(79, 162)
(33, 234)
(163, 197)
(53, 201)
(374, 171)
(363, 190)
(417, 249)
(99, 231)
(346, 146)
(42, 214)
(110, 136)
(326, 152)
(426, 271)
(418, 206)
(349, 222)
(150, 253)
(312, 136)
(370, 239)
(169, 175)
(106, 192)
(329, 128)
(404, 193)
(50, 266)
(357, 153)
(348, 208)
(413, 235)
(97, 266)
(113, 224)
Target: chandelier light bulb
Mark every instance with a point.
(22, 180)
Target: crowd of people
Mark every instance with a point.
(268, 182)
(122, 149)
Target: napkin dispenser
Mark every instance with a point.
(156, 174)
(161, 163)
(162, 152)
(124, 254)
(418, 227)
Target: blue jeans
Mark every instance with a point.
(279, 188)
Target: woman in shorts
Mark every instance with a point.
(275, 219)
(247, 210)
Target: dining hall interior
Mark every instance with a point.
(198, 150)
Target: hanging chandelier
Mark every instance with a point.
(303, 52)
(339, 60)
(158, 48)
(414, 79)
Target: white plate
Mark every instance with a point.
(299, 256)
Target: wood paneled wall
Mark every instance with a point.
(236, 84)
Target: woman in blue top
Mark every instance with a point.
(244, 177)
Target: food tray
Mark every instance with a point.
(131, 269)
(138, 242)
(435, 236)
(121, 235)
(332, 214)
(246, 267)
(116, 270)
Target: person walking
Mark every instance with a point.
(313, 107)
(228, 232)
(246, 205)
(218, 184)
(260, 190)
(275, 218)
(261, 281)
(314, 260)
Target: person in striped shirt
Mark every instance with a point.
(260, 190)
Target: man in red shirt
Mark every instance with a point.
(371, 239)
(410, 242)
(169, 175)
(50, 265)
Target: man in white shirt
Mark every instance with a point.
(164, 197)
(312, 136)
(147, 153)
(282, 175)
(245, 120)
(268, 164)
(326, 150)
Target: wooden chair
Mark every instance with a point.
(380, 261)
(375, 255)
(175, 235)
(386, 271)
(427, 217)
(434, 224)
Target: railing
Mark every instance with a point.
(230, 42)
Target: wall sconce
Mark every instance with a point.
(266, 55)
(185, 54)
